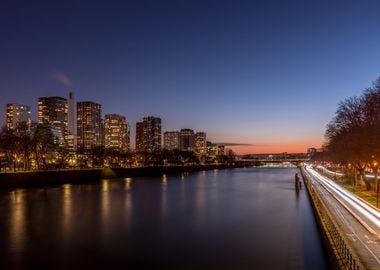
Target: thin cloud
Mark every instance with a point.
(235, 144)
(62, 78)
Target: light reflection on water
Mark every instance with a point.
(17, 220)
(222, 219)
(128, 182)
(67, 208)
(105, 207)
(164, 196)
(200, 200)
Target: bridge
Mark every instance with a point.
(259, 162)
(260, 159)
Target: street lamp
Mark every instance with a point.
(355, 179)
(377, 183)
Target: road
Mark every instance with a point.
(359, 221)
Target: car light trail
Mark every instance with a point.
(367, 175)
(329, 171)
(370, 175)
(367, 211)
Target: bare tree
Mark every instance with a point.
(352, 135)
(43, 144)
(9, 146)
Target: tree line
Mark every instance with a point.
(353, 135)
(23, 149)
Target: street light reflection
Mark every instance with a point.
(67, 207)
(105, 204)
(164, 196)
(17, 221)
(127, 183)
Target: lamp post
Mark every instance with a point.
(355, 179)
(377, 183)
(14, 162)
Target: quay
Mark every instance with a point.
(76, 176)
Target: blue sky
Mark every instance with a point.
(267, 73)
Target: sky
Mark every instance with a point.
(265, 73)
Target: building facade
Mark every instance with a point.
(115, 132)
(128, 130)
(53, 111)
(152, 138)
(139, 137)
(89, 125)
(71, 137)
(221, 150)
(200, 144)
(186, 142)
(212, 149)
(17, 114)
(171, 140)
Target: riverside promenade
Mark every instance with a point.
(351, 226)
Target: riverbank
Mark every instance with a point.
(59, 177)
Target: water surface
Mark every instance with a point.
(223, 219)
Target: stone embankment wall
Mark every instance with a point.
(58, 177)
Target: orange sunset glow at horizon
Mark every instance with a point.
(274, 148)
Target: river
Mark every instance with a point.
(249, 218)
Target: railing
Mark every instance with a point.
(345, 257)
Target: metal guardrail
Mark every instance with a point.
(343, 253)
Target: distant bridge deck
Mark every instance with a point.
(269, 160)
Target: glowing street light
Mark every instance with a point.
(375, 166)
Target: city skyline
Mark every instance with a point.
(271, 82)
(190, 134)
(111, 131)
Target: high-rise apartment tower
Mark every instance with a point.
(89, 125)
(53, 112)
